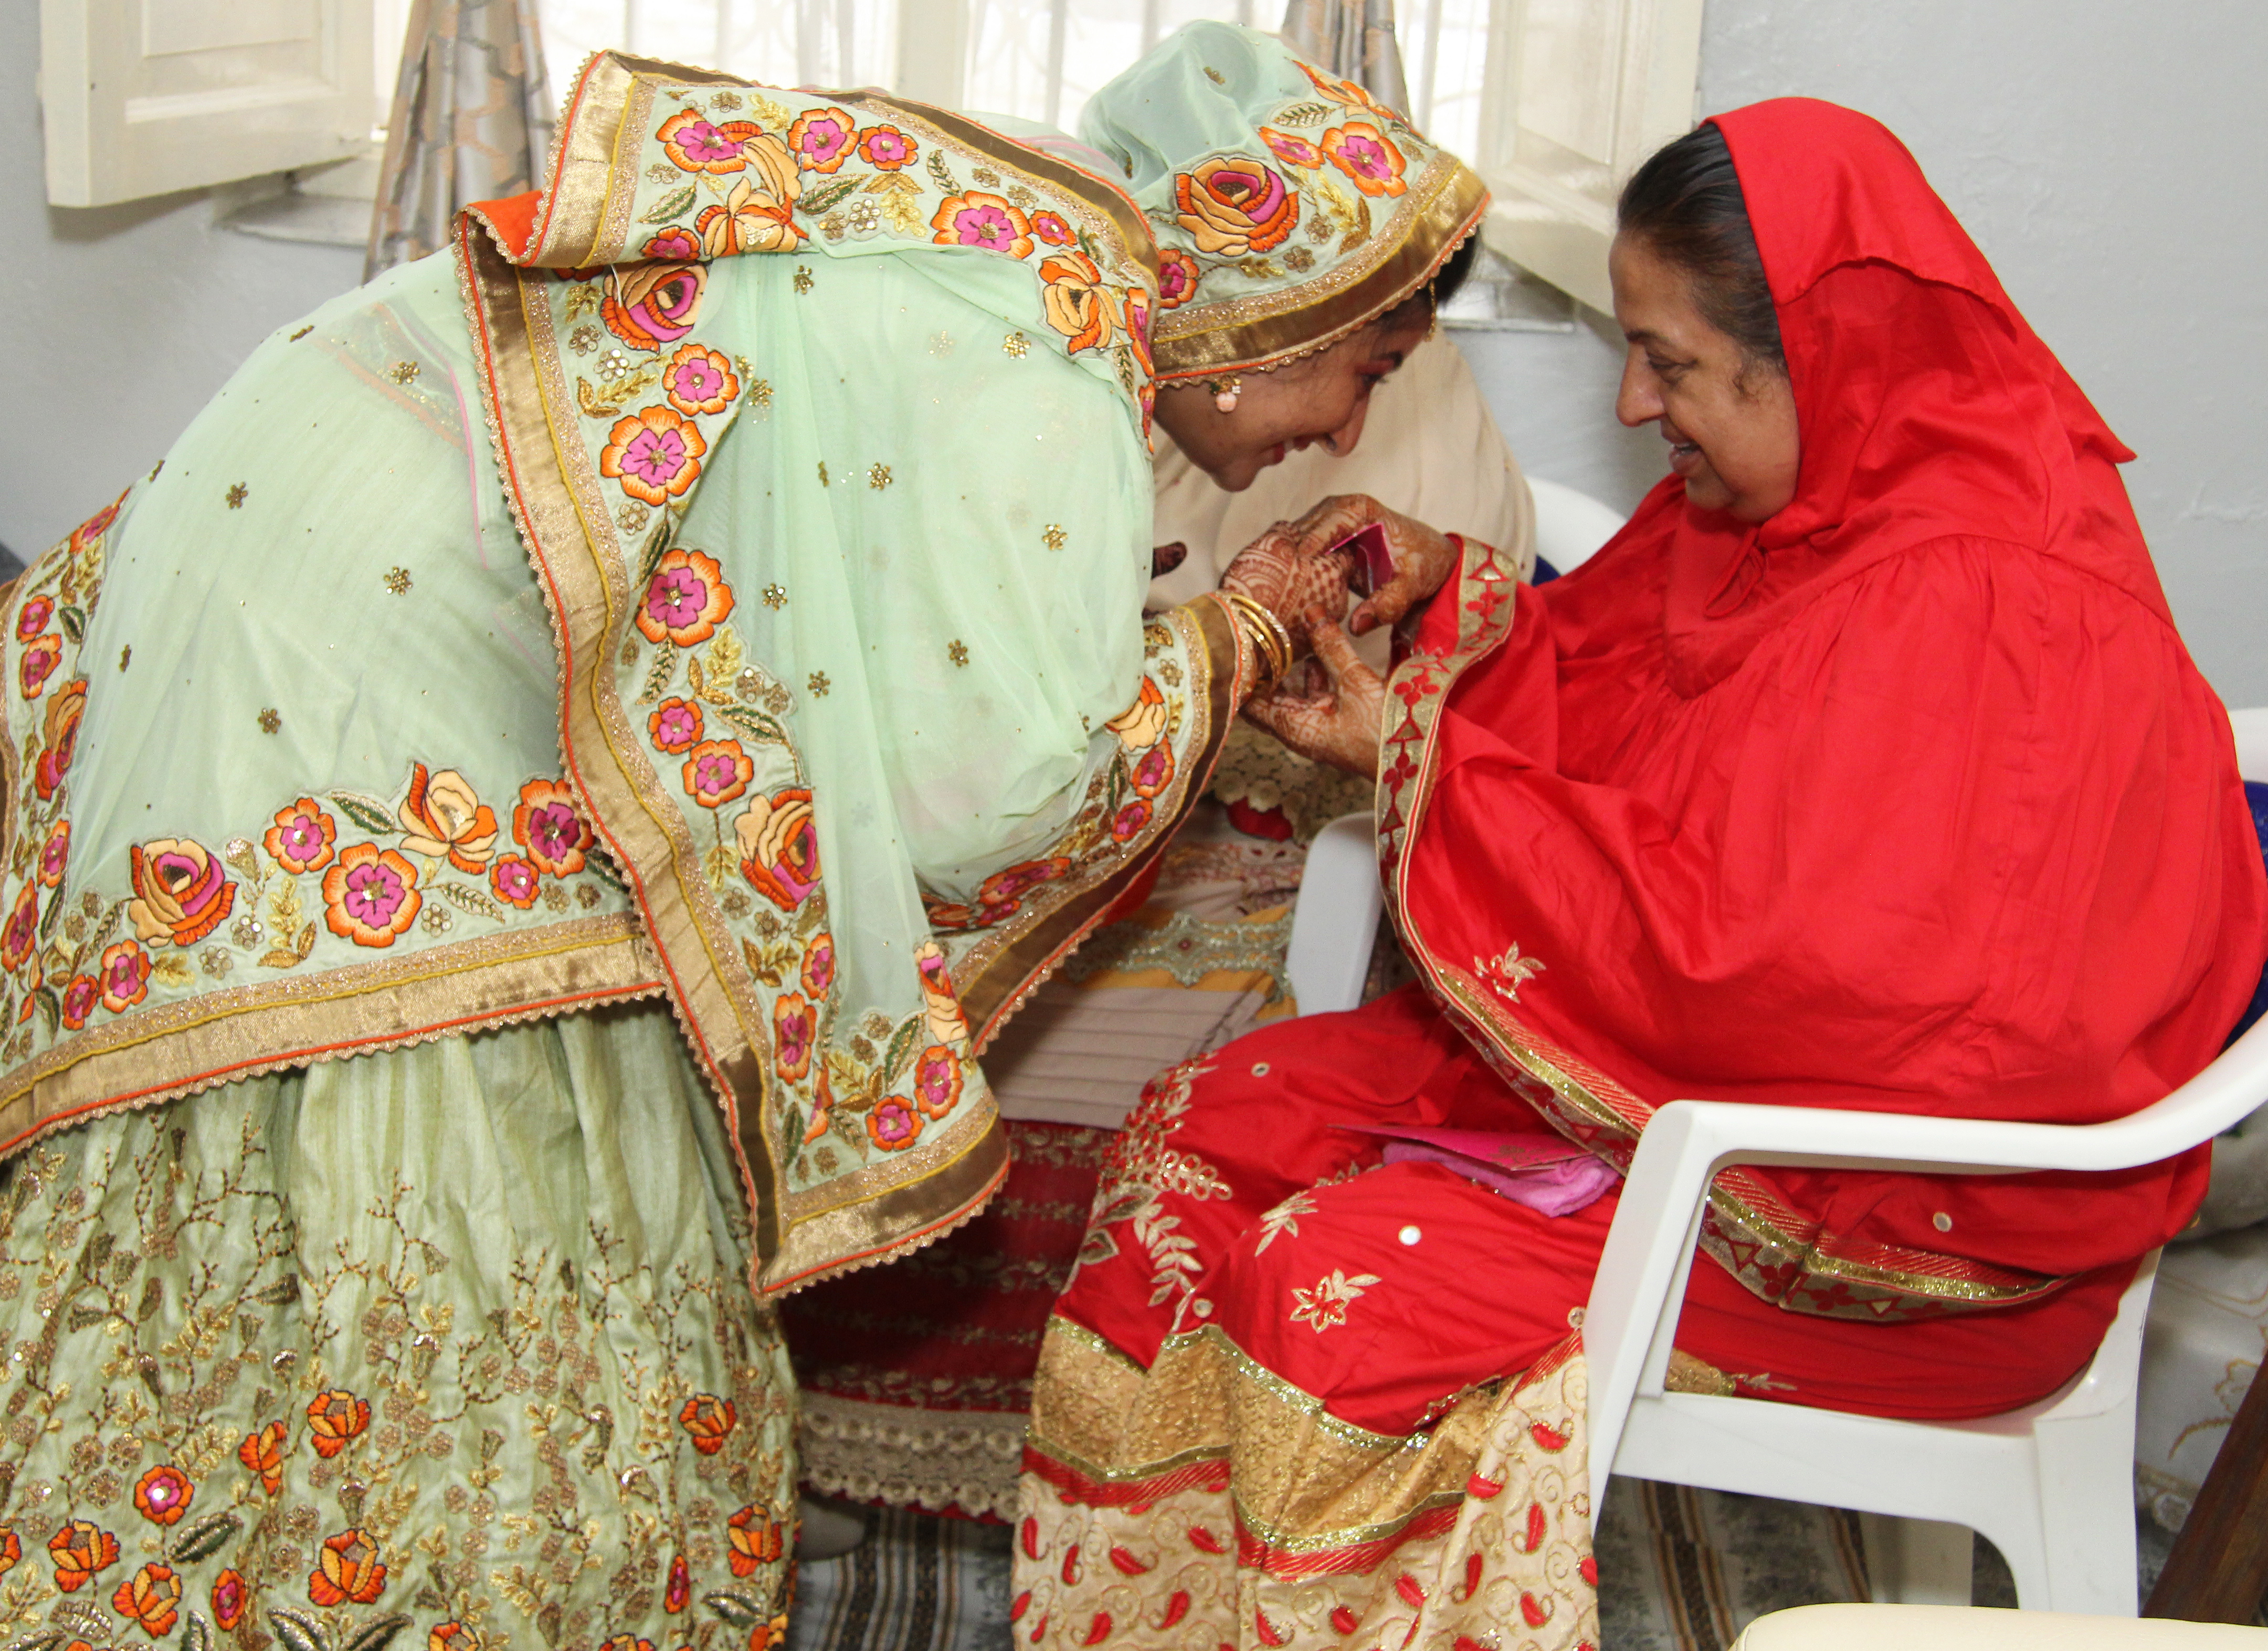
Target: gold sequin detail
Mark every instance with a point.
(1054, 538)
(760, 392)
(124, 655)
(941, 345)
(1016, 344)
(776, 597)
(270, 720)
(803, 279)
(631, 516)
(957, 651)
(302, 332)
(403, 372)
(725, 100)
(237, 495)
(822, 473)
(397, 580)
(1215, 75)
(878, 477)
(820, 684)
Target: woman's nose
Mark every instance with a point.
(1342, 440)
(1637, 401)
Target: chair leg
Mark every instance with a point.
(2086, 1514)
(1917, 1561)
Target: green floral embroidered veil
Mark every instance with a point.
(1273, 249)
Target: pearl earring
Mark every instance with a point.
(1225, 392)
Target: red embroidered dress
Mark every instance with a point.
(1908, 799)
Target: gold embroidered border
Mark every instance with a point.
(906, 1456)
(177, 1049)
(1444, 205)
(1014, 957)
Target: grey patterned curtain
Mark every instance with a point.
(1354, 40)
(471, 121)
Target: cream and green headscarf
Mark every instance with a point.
(1290, 206)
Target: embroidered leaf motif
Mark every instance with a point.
(737, 1608)
(241, 856)
(719, 864)
(668, 206)
(650, 560)
(1284, 1218)
(203, 1539)
(819, 200)
(1304, 115)
(657, 681)
(768, 964)
(298, 1631)
(74, 623)
(765, 110)
(37, 1642)
(84, 1317)
(943, 174)
(280, 957)
(607, 402)
(1325, 1306)
(581, 298)
(375, 1637)
(173, 969)
(55, 915)
(695, 677)
(365, 812)
(197, 1636)
(754, 724)
(468, 898)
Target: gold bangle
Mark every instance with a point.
(1267, 632)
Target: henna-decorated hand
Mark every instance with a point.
(1423, 558)
(1340, 725)
(1272, 572)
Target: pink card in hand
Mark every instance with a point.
(1372, 558)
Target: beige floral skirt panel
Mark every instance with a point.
(444, 1349)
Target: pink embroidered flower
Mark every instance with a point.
(699, 380)
(1366, 155)
(697, 145)
(1135, 318)
(655, 453)
(21, 933)
(61, 737)
(370, 896)
(1177, 277)
(887, 148)
(822, 139)
(514, 880)
(892, 1126)
(549, 827)
(716, 771)
(977, 219)
(1232, 205)
(1291, 149)
(229, 1598)
(180, 892)
(1050, 228)
(678, 1593)
(676, 725)
(686, 600)
(125, 974)
(1018, 880)
(40, 662)
(648, 305)
(819, 964)
(1127, 823)
(163, 1494)
(80, 998)
(794, 1029)
(33, 618)
(1154, 772)
(301, 836)
(674, 244)
(55, 854)
(936, 1081)
(93, 528)
(779, 846)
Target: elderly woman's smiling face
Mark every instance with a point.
(1730, 422)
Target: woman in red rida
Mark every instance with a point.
(1864, 769)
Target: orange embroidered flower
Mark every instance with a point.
(985, 221)
(678, 1594)
(302, 836)
(262, 1452)
(698, 379)
(60, 734)
(370, 895)
(709, 1419)
(163, 1494)
(96, 525)
(1292, 149)
(335, 1418)
(1050, 229)
(55, 854)
(779, 846)
(515, 880)
(655, 453)
(716, 771)
(822, 1104)
(887, 148)
(20, 936)
(698, 144)
(1232, 205)
(626, 1642)
(686, 600)
(754, 1537)
(674, 244)
(765, 1635)
(230, 1596)
(1349, 93)
(151, 1600)
(1077, 303)
(892, 1126)
(1368, 156)
(648, 305)
(347, 1570)
(794, 1029)
(937, 1080)
(751, 220)
(676, 725)
(81, 1550)
(11, 1551)
(548, 824)
(183, 892)
(80, 998)
(1177, 277)
(819, 964)
(442, 815)
(124, 976)
(452, 1636)
(40, 659)
(1136, 315)
(822, 139)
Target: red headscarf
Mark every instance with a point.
(1926, 406)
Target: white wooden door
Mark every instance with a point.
(145, 97)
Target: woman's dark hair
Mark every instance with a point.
(1428, 300)
(1686, 204)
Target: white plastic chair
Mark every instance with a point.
(2051, 1485)
(1570, 527)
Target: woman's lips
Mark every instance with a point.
(1684, 458)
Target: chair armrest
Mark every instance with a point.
(1334, 921)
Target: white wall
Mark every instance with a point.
(121, 321)
(2108, 156)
